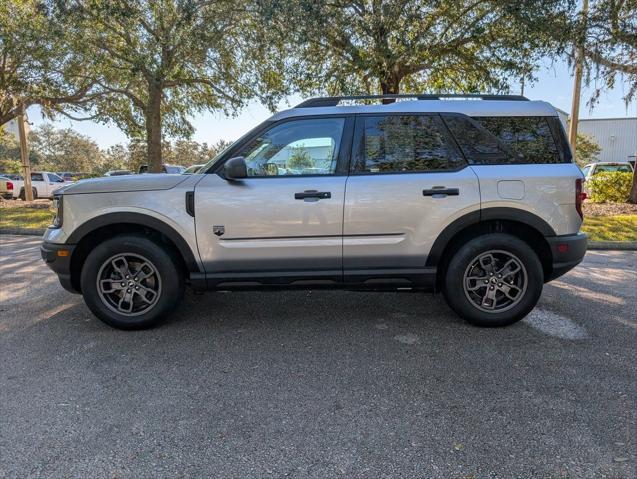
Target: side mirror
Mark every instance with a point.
(235, 169)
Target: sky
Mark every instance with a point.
(554, 84)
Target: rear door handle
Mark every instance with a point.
(441, 192)
(319, 195)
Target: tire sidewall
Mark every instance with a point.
(454, 279)
(171, 278)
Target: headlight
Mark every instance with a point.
(58, 209)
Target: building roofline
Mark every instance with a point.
(609, 119)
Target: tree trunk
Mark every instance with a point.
(632, 198)
(153, 130)
(390, 86)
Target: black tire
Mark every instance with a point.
(167, 281)
(498, 246)
(23, 195)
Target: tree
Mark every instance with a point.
(116, 157)
(188, 152)
(415, 45)
(9, 153)
(65, 150)
(587, 150)
(37, 64)
(165, 59)
(610, 45)
(300, 159)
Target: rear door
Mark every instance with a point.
(284, 222)
(408, 181)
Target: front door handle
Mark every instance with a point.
(319, 195)
(441, 192)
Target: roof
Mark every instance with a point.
(473, 107)
(633, 118)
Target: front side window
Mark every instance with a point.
(293, 148)
(405, 143)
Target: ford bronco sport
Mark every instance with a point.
(477, 197)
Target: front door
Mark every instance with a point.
(284, 222)
(408, 182)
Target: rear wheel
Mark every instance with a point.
(131, 282)
(493, 280)
(23, 195)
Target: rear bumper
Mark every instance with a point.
(568, 251)
(58, 258)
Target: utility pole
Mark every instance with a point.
(24, 156)
(577, 86)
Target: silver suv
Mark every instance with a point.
(475, 197)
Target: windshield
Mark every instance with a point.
(625, 168)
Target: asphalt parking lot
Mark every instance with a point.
(319, 384)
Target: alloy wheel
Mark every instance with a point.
(129, 284)
(495, 281)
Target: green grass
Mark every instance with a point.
(599, 228)
(611, 228)
(23, 217)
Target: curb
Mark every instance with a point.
(592, 245)
(613, 245)
(22, 231)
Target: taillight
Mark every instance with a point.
(579, 197)
(9, 185)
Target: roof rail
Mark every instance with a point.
(335, 100)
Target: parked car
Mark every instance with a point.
(170, 169)
(6, 188)
(426, 194)
(191, 170)
(118, 173)
(73, 175)
(593, 169)
(43, 183)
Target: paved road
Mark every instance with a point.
(319, 384)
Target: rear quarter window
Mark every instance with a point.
(510, 140)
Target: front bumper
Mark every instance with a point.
(58, 258)
(568, 251)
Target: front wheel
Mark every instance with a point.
(493, 280)
(131, 282)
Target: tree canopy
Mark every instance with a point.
(435, 45)
(37, 62)
(163, 60)
(610, 45)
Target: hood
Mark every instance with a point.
(122, 184)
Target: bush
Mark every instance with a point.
(610, 187)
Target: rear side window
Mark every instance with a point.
(509, 140)
(37, 177)
(404, 144)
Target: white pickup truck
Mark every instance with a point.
(44, 183)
